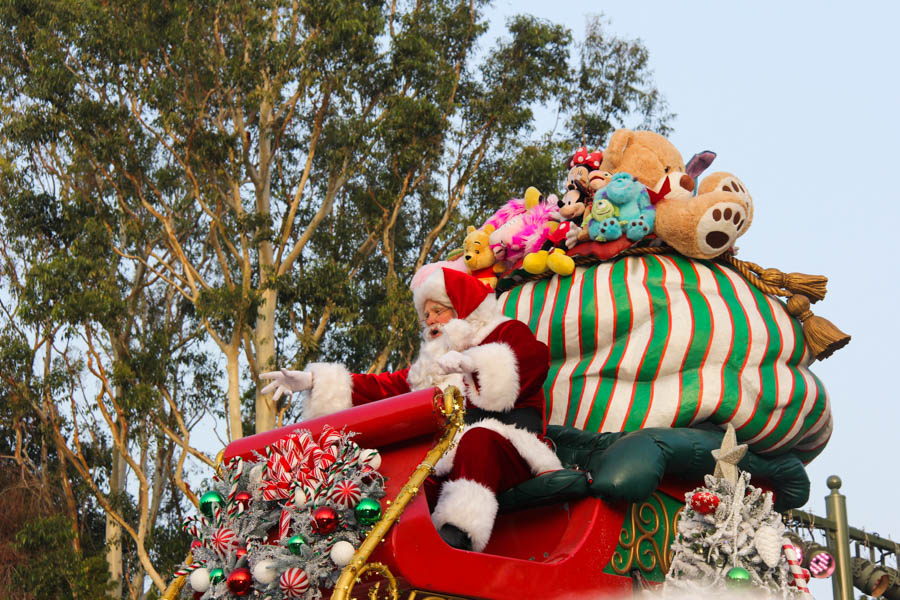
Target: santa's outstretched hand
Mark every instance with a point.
(456, 362)
(286, 382)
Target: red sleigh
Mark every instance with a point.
(547, 552)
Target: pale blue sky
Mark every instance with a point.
(799, 100)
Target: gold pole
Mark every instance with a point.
(174, 588)
(454, 411)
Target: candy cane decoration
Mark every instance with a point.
(284, 522)
(187, 570)
(236, 466)
(796, 570)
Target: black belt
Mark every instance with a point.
(527, 418)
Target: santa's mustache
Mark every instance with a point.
(430, 332)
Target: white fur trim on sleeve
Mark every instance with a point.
(331, 390)
(498, 377)
(470, 506)
(539, 456)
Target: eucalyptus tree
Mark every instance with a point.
(253, 183)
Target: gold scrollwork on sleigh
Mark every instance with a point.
(646, 539)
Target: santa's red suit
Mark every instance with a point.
(499, 366)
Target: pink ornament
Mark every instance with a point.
(293, 582)
(346, 494)
(704, 502)
(223, 539)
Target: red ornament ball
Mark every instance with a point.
(704, 502)
(196, 544)
(239, 581)
(243, 498)
(324, 520)
(240, 552)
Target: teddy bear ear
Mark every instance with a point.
(615, 149)
(488, 229)
(470, 229)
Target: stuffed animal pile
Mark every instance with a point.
(637, 191)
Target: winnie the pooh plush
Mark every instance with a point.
(704, 225)
(479, 257)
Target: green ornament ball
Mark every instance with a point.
(295, 543)
(737, 578)
(209, 502)
(367, 512)
(216, 576)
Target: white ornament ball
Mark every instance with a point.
(371, 457)
(342, 553)
(264, 571)
(199, 580)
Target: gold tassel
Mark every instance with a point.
(811, 286)
(821, 334)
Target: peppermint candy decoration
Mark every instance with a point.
(223, 539)
(704, 502)
(293, 582)
(327, 460)
(304, 441)
(346, 494)
(330, 437)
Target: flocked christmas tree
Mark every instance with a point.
(730, 537)
(283, 525)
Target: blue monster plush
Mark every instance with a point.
(636, 213)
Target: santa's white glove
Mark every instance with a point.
(572, 236)
(456, 362)
(286, 382)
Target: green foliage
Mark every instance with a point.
(54, 570)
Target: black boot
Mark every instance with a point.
(456, 537)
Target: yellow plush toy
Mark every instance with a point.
(700, 226)
(479, 257)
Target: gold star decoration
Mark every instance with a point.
(729, 455)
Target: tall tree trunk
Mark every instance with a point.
(264, 333)
(113, 529)
(232, 366)
(264, 329)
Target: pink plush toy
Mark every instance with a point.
(520, 226)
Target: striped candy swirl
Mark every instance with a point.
(666, 341)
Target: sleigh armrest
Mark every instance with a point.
(377, 424)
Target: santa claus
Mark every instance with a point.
(498, 365)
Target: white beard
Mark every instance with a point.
(425, 372)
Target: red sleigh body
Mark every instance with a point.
(547, 552)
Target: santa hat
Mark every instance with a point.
(451, 288)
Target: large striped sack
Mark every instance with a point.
(668, 341)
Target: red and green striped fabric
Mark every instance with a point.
(667, 341)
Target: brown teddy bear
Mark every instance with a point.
(701, 226)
